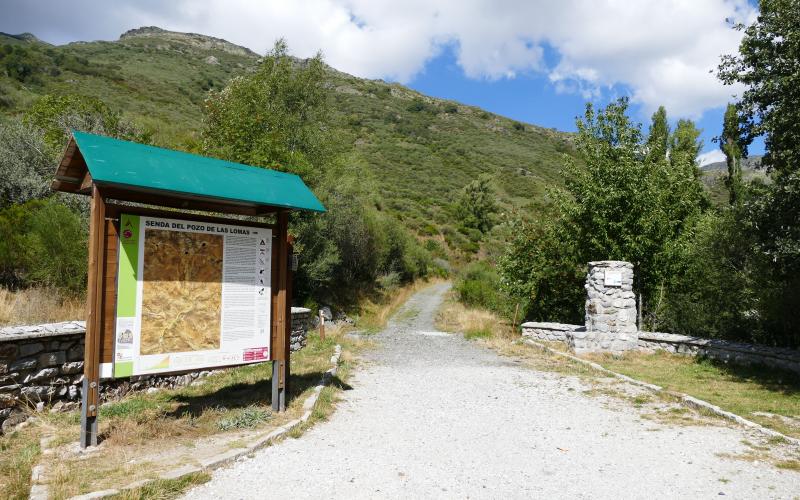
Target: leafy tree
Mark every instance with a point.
(25, 165)
(732, 145)
(631, 199)
(768, 64)
(57, 115)
(273, 117)
(658, 138)
(476, 206)
(44, 243)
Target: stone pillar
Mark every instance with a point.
(610, 309)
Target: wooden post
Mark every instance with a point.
(279, 364)
(321, 325)
(514, 322)
(94, 321)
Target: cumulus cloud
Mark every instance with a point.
(663, 51)
(713, 156)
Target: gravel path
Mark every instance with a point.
(434, 416)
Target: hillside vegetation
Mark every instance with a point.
(414, 152)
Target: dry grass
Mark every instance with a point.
(38, 305)
(473, 323)
(145, 434)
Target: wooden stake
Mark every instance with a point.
(514, 323)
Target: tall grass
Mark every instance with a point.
(39, 305)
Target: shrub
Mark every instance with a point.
(478, 285)
(43, 243)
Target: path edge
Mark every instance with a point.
(40, 491)
(684, 399)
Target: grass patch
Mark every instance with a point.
(18, 454)
(477, 333)
(145, 434)
(244, 418)
(39, 305)
(789, 465)
(769, 397)
(163, 489)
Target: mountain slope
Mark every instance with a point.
(417, 150)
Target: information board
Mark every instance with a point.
(190, 295)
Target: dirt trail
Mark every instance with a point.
(431, 415)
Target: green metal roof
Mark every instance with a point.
(134, 165)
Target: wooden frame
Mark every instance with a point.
(102, 294)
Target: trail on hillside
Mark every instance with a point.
(432, 415)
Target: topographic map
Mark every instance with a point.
(182, 292)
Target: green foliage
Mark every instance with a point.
(43, 243)
(25, 166)
(733, 146)
(620, 205)
(768, 64)
(478, 285)
(476, 207)
(244, 418)
(271, 118)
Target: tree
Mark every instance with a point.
(658, 139)
(630, 199)
(476, 207)
(732, 145)
(26, 167)
(768, 64)
(274, 117)
(57, 115)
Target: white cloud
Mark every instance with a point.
(712, 156)
(664, 51)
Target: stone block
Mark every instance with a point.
(52, 358)
(7, 400)
(23, 364)
(30, 349)
(72, 367)
(38, 392)
(43, 374)
(75, 353)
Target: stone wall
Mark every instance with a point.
(610, 309)
(43, 365)
(721, 350)
(553, 332)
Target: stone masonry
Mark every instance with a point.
(44, 364)
(610, 309)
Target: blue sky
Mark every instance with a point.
(532, 98)
(536, 61)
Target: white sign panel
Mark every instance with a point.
(191, 295)
(612, 278)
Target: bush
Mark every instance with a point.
(478, 285)
(43, 243)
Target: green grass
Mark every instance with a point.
(18, 454)
(244, 418)
(477, 333)
(163, 489)
(745, 391)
